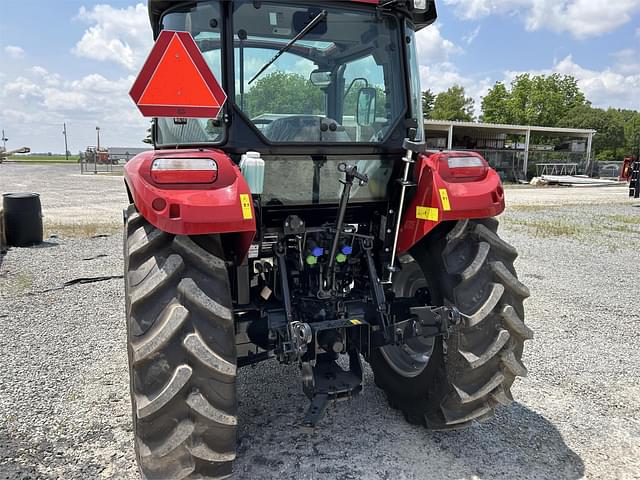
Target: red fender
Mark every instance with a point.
(438, 200)
(222, 207)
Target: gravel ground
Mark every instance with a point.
(64, 405)
(67, 196)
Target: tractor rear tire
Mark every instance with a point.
(182, 353)
(468, 374)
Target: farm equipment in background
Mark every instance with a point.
(98, 156)
(4, 153)
(631, 173)
(304, 221)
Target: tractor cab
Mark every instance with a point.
(311, 83)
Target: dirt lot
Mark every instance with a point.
(64, 406)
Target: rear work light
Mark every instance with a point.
(184, 170)
(463, 169)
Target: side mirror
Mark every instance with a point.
(367, 103)
(321, 78)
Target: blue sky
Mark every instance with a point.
(74, 61)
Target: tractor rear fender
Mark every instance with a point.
(223, 206)
(450, 186)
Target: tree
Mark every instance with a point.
(631, 120)
(608, 123)
(453, 105)
(533, 100)
(495, 105)
(428, 99)
(281, 92)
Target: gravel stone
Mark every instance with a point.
(64, 391)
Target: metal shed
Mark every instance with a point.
(512, 158)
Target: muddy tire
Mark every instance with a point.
(466, 376)
(182, 357)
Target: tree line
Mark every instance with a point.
(543, 100)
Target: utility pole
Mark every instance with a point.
(95, 164)
(66, 148)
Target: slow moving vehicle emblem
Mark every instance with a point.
(176, 81)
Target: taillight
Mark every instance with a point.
(184, 170)
(463, 168)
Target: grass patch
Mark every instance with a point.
(526, 208)
(43, 159)
(20, 283)
(622, 228)
(23, 282)
(626, 219)
(81, 230)
(549, 228)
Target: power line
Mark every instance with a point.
(66, 148)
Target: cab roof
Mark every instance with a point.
(421, 18)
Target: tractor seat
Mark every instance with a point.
(305, 128)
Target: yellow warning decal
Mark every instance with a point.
(356, 322)
(444, 196)
(245, 201)
(427, 213)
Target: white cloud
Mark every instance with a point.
(627, 61)
(471, 36)
(613, 86)
(581, 18)
(433, 47)
(46, 100)
(14, 51)
(120, 35)
(36, 101)
(438, 73)
(49, 79)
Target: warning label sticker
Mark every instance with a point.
(427, 213)
(444, 196)
(245, 201)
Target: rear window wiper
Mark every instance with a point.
(310, 26)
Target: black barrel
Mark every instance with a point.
(22, 219)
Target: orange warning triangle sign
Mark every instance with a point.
(176, 80)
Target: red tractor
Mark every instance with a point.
(307, 224)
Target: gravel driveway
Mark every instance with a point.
(64, 404)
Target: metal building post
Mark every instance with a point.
(525, 165)
(450, 138)
(589, 146)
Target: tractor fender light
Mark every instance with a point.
(184, 170)
(420, 4)
(463, 168)
(465, 162)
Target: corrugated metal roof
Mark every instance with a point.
(445, 124)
